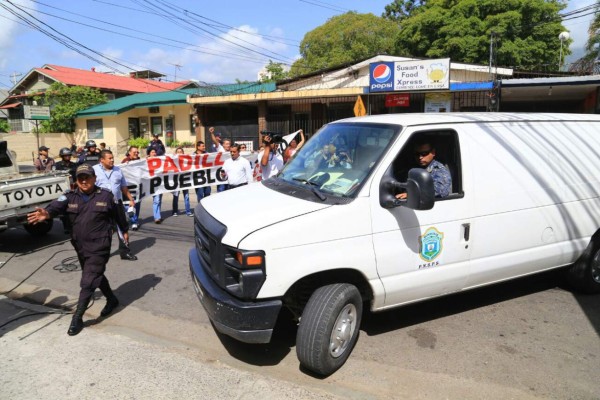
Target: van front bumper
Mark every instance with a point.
(249, 322)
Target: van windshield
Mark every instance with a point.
(339, 157)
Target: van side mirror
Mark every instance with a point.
(418, 186)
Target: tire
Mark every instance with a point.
(329, 328)
(584, 275)
(39, 229)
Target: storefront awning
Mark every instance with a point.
(13, 105)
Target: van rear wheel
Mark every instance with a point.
(584, 275)
(39, 229)
(329, 328)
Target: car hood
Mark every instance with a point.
(248, 208)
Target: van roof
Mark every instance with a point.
(411, 119)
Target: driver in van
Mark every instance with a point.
(424, 153)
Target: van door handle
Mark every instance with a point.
(467, 231)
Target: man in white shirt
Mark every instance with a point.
(237, 169)
(271, 161)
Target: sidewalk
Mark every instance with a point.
(39, 360)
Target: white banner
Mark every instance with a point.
(169, 173)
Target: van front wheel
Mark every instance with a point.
(329, 327)
(584, 275)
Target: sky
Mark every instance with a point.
(208, 41)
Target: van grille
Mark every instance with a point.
(208, 233)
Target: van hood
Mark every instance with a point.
(249, 208)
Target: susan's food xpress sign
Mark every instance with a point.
(409, 75)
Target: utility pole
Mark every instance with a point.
(494, 93)
(13, 77)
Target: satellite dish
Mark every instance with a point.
(564, 36)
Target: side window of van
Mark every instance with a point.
(432, 147)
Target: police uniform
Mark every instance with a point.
(63, 166)
(89, 158)
(92, 219)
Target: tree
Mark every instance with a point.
(592, 46)
(4, 125)
(65, 101)
(274, 72)
(526, 31)
(401, 9)
(343, 39)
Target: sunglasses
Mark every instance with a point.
(422, 153)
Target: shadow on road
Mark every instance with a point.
(377, 323)
(12, 316)
(284, 338)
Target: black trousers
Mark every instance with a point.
(93, 267)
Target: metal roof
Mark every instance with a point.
(145, 100)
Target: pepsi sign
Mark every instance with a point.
(381, 77)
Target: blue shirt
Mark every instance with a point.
(111, 179)
(442, 180)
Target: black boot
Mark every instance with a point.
(77, 321)
(111, 304)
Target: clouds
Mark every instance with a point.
(10, 29)
(239, 53)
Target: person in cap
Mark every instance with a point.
(156, 144)
(91, 156)
(43, 163)
(93, 214)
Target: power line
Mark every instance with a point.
(191, 46)
(322, 4)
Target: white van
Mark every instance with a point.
(331, 232)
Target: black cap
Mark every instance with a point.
(85, 169)
(43, 148)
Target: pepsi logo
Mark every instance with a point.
(382, 73)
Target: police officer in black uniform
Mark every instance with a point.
(65, 164)
(91, 156)
(93, 213)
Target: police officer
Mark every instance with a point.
(65, 164)
(91, 155)
(92, 212)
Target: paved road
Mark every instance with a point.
(530, 338)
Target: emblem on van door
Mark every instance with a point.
(430, 244)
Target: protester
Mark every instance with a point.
(204, 191)
(157, 198)
(133, 154)
(186, 195)
(43, 163)
(293, 147)
(157, 145)
(237, 169)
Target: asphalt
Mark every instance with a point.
(39, 360)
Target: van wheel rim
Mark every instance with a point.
(343, 331)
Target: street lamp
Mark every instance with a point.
(562, 37)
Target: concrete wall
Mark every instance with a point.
(26, 144)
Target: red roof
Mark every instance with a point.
(100, 80)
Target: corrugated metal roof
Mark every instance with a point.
(144, 100)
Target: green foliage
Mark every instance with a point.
(140, 143)
(526, 31)
(344, 39)
(65, 102)
(275, 72)
(592, 46)
(187, 144)
(400, 9)
(4, 125)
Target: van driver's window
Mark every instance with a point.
(438, 152)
